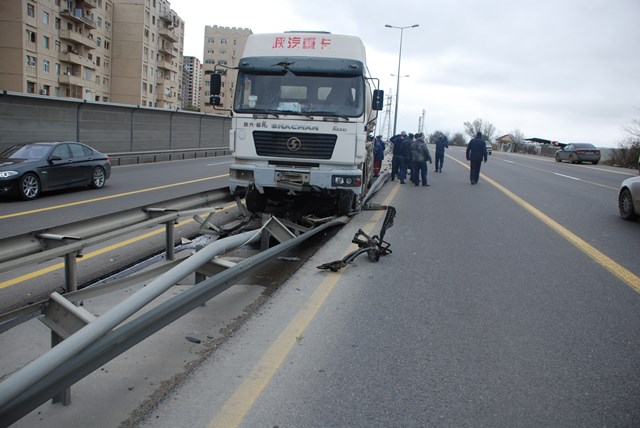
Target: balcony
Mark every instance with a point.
(77, 59)
(70, 79)
(89, 4)
(77, 38)
(167, 49)
(78, 16)
(166, 65)
(168, 34)
(165, 16)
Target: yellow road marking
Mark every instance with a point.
(104, 198)
(52, 268)
(625, 275)
(244, 397)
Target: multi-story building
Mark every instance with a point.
(125, 51)
(147, 54)
(191, 83)
(57, 47)
(223, 47)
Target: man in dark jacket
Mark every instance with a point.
(419, 157)
(476, 152)
(397, 141)
(441, 144)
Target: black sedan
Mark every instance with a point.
(26, 170)
(578, 153)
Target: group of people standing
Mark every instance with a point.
(410, 152)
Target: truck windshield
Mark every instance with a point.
(340, 96)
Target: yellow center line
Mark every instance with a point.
(244, 397)
(625, 275)
(104, 198)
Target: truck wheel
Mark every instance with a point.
(346, 198)
(256, 201)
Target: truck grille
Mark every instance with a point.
(280, 144)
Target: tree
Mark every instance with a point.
(458, 139)
(487, 129)
(517, 136)
(435, 135)
(629, 148)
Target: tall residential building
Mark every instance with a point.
(147, 54)
(223, 46)
(191, 83)
(57, 47)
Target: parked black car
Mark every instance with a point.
(26, 170)
(578, 153)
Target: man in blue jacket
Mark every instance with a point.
(441, 144)
(397, 141)
(476, 152)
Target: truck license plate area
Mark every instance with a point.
(292, 179)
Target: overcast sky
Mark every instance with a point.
(565, 70)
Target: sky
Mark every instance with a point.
(562, 70)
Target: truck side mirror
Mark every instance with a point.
(377, 102)
(216, 84)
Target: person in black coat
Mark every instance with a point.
(476, 152)
(397, 141)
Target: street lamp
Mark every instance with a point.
(395, 119)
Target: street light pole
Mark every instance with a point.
(395, 119)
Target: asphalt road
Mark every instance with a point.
(498, 307)
(129, 186)
(513, 302)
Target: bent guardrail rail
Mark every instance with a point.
(100, 341)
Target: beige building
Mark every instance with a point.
(147, 54)
(124, 51)
(191, 82)
(223, 46)
(56, 47)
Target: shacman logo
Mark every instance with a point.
(295, 127)
(294, 144)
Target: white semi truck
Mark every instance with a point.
(303, 115)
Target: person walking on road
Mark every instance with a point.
(441, 144)
(397, 141)
(476, 152)
(419, 157)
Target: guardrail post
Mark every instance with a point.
(171, 254)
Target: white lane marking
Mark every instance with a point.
(219, 163)
(508, 161)
(568, 176)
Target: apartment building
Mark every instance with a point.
(124, 51)
(57, 47)
(223, 47)
(147, 54)
(191, 83)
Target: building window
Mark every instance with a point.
(57, 69)
(58, 23)
(31, 87)
(32, 61)
(45, 39)
(107, 45)
(99, 21)
(31, 10)
(98, 61)
(58, 46)
(45, 65)
(98, 41)
(210, 40)
(223, 41)
(45, 18)
(46, 90)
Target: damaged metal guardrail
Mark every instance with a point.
(103, 338)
